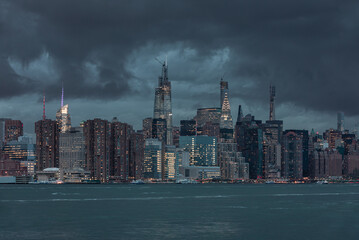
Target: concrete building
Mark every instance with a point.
(120, 150)
(97, 135)
(47, 144)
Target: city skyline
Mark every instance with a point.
(114, 66)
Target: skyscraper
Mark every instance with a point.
(159, 129)
(97, 135)
(188, 128)
(224, 90)
(204, 115)
(226, 121)
(137, 148)
(249, 139)
(340, 123)
(163, 102)
(292, 157)
(120, 148)
(72, 149)
(62, 115)
(152, 167)
(47, 145)
(147, 127)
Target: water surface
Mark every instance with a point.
(170, 211)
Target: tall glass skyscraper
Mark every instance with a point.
(152, 167)
(163, 102)
(62, 116)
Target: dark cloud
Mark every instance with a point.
(308, 49)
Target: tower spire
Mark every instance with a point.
(43, 108)
(62, 95)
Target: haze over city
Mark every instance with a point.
(105, 56)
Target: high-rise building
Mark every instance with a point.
(169, 163)
(2, 132)
(292, 157)
(205, 115)
(159, 129)
(163, 102)
(13, 130)
(47, 144)
(232, 163)
(72, 149)
(188, 128)
(202, 149)
(226, 121)
(23, 151)
(340, 123)
(176, 134)
(209, 129)
(273, 130)
(305, 149)
(224, 91)
(97, 135)
(272, 138)
(272, 158)
(152, 166)
(62, 115)
(332, 136)
(137, 149)
(249, 139)
(10, 130)
(120, 159)
(147, 127)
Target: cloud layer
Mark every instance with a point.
(103, 53)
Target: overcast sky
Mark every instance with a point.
(103, 52)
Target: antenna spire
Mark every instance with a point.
(62, 95)
(43, 108)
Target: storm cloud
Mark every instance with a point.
(103, 53)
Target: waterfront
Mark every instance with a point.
(170, 211)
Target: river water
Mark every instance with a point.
(172, 211)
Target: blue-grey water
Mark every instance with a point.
(170, 211)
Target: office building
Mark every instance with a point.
(202, 149)
(23, 151)
(249, 139)
(147, 127)
(72, 149)
(188, 128)
(163, 103)
(292, 157)
(152, 167)
(340, 122)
